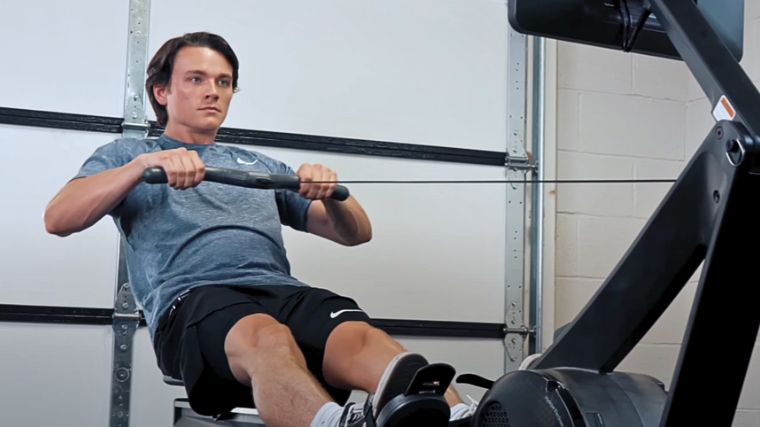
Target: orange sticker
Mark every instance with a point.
(724, 110)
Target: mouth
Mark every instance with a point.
(210, 109)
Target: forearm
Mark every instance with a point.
(84, 201)
(348, 221)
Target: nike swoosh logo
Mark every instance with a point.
(243, 162)
(335, 314)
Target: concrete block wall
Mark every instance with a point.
(623, 116)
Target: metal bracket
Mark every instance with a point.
(517, 163)
(514, 339)
(135, 124)
(522, 330)
(134, 130)
(126, 316)
(126, 319)
(520, 163)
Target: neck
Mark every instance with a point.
(190, 136)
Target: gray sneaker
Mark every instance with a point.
(353, 416)
(463, 418)
(396, 378)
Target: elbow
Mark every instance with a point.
(53, 225)
(53, 228)
(360, 238)
(366, 237)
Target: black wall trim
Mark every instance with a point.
(436, 328)
(104, 316)
(358, 146)
(46, 314)
(48, 119)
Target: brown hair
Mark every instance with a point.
(161, 66)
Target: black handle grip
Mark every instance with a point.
(245, 179)
(154, 176)
(340, 193)
(290, 182)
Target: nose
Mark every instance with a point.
(212, 90)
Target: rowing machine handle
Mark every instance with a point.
(245, 179)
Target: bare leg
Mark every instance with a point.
(263, 353)
(356, 355)
(452, 396)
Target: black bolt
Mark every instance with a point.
(122, 375)
(716, 196)
(719, 132)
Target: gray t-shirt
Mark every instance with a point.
(212, 234)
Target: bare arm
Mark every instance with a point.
(343, 222)
(84, 201)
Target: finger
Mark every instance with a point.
(308, 189)
(311, 187)
(305, 175)
(332, 178)
(200, 168)
(188, 169)
(326, 177)
(177, 168)
(304, 171)
(168, 166)
(322, 176)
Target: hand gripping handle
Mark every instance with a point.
(239, 178)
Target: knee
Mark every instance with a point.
(357, 354)
(370, 335)
(260, 334)
(349, 339)
(356, 329)
(373, 333)
(351, 335)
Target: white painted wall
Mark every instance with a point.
(623, 116)
(423, 72)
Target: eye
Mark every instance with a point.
(225, 83)
(196, 79)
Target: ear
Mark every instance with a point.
(160, 93)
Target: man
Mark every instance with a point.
(208, 265)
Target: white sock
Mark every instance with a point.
(328, 415)
(458, 411)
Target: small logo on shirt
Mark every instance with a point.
(335, 314)
(243, 162)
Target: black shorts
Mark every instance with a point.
(189, 340)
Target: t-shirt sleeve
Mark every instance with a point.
(106, 157)
(292, 207)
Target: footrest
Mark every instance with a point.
(433, 378)
(173, 381)
(184, 416)
(423, 403)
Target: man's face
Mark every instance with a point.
(200, 90)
